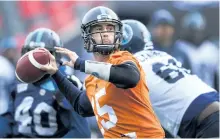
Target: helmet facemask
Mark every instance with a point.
(105, 49)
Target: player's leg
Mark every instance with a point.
(208, 122)
(188, 128)
(209, 127)
(205, 124)
(201, 108)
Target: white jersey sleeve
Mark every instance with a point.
(172, 88)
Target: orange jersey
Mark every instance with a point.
(123, 112)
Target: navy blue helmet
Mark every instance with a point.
(43, 38)
(136, 36)
(163, 17)
(96, 16)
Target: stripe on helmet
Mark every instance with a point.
(39, 36)
(103, 11)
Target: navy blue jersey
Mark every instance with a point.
(41, 113)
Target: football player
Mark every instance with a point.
(8, 57)
(39, 109)
(163, 33)
(203, 54)
(116, 87)
(184, 104)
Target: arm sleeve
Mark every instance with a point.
(125, 75)
(78, 99)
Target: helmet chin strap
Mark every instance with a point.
(105, 49)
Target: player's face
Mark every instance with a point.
(103, 33)
(163, 32)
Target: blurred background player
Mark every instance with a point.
(196, 45)
(39, 109)
(8, 57)
(163, 30)
(185, 105)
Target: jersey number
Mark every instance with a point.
(42, 110)
(170, 72)
(107, 110)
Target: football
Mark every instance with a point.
(28, 66)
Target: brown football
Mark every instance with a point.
(28, 66)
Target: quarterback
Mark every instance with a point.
(116, 87)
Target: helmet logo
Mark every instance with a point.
(103, 16)
(144, 37)
(37, 44)
(127, 34)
